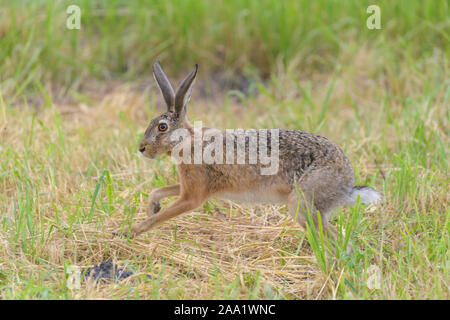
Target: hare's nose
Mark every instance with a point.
(141, 147)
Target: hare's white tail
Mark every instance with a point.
(366, 194)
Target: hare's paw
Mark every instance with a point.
(126, 234)
(153, 208)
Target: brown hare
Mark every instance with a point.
(311, 174)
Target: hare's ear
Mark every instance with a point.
(164, 86)
(184, 93)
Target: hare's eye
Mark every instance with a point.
(162, 127)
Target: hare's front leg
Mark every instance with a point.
(158, 194)
(183, 204)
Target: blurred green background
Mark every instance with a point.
(121, 39)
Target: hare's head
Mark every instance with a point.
(157, 138)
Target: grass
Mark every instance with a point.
(74, 104)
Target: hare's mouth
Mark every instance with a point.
(146, 152)
(149, 155)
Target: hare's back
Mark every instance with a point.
(301, 150)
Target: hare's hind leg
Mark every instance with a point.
(322, 190)
(158, 194)
(300, 206)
